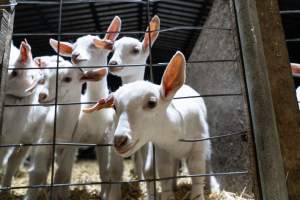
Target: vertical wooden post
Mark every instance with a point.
(6, 30)
(282, 91)
(274, 110)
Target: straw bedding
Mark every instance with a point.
(87, 171)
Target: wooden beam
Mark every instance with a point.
(282, 90)
(272, 100)
(6, 30)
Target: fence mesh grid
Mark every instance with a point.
(54, 143)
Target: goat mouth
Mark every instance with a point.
(77, 61)
(115, 69)
(47, 101)
(127, 148)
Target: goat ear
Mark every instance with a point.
(102, 103)
(152, 32)
(113, 29)
(295, 69)
(65, 48)
(174, 76)
(25, 51)
(94, 75)
(103, 44)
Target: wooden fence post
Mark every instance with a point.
(274, 109)
(6, 30)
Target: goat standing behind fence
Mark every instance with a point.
(167, 122)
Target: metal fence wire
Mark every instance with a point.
(59, 34)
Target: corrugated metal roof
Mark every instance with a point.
(42, 17)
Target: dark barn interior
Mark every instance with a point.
(77, 19)
(291, 24)
(80, 18)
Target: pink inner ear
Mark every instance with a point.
(95, 75)
(111, 36)
(64, 48)
(113, 29)
(153, 33)
(295, 68)
(174, 75)
(23, 54)
(167, 88)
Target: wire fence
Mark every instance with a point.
(55, 143)
(291, 13)
(292, 40)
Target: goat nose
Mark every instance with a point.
(120, 141)
(113, 62)
(42, 96)
(75, 55)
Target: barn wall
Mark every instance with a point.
(225, 114)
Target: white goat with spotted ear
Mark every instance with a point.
(16, 92)
(130, 51)
(69, 82)
(93, 51)
(146, 112)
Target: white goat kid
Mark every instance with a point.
(34, 121)
(130, 51)
(69, 85)
(146, 112)
(19, 89)
(93, 51)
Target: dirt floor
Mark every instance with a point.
(87, 171)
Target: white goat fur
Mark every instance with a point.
(130, 51)
(15, 94)
(124, 54)
(69, 90)
(27, 118)
(95, 128)
(164, 125)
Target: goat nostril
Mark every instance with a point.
(75, 55)
(42, 96)
(120, 141)
(113, 62)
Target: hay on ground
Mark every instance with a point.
(87, 171)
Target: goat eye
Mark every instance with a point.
(42, 81)
(67, 79)
(152, 103)
(135, 50)
(14, 73)
(92, 46)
